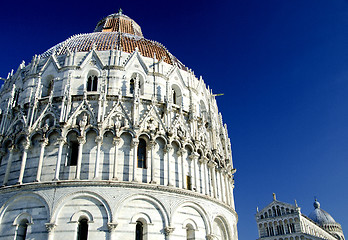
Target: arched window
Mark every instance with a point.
(73, 149)
(50, 88)
(278, 211)
(139, 231)
(82, 229)
(174, 96)
(142, 153)
(188, 182)
(190, 232)
(92, 83)
(131, 86)
(47, 86)
(22, 229)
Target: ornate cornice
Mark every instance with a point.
(110, 183)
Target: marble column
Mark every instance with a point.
(81, 141)
(227, 192)
(135, 144)
(211, 237)
(50, 229)
(152, 144)
(202, 175)
(168, 152)
(43, 144)
(222, 192)
(112, 230)
(181, 153)
(116, 142)
(168, 231)
(8, 166)
(231, 186)
(24, 161)
(206, 176)
(194, 157)
(99, 141)
(211, 166)
(61, 143)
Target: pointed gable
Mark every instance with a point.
(92, 58)
(135, 60)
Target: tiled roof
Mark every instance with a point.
(116, 31)
(119, 23)
(102, 41)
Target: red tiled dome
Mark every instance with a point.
(116, 31)
(119, 23)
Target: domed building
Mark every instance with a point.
(107, 135)
(284, 221)
(325, 221)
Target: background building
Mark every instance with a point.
(107, 134)
(283, 221)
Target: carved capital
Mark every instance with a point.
(168, 230)
(44, 142)
(211, 237)
(81, 140)
(26, 145)
(99, 139)
(168, 148)
(135, 142)
(203, 160)
(181, 152)
(194, 156)
(116, 140)
(151, 144)
(112, 227)
(61, 141)
(11, 148)
(50, 227)
(211, 164)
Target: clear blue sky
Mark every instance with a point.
(282, 65)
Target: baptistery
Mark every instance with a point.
(107, 135)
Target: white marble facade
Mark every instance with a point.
(109, 144)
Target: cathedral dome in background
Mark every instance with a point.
(326, 221)
(108, 136)
(320, 216)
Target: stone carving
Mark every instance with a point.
(168, 230)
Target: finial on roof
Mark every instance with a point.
(316, 204)
(120, 11)
(296, 203)
(274, 197)
(257, 209)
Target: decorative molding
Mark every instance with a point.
(50, 227)
(168, 230)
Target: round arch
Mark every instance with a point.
(196, 207)
(63, 200)
(23, 195)
(223, 222)
(154, 201)
(161, 136)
